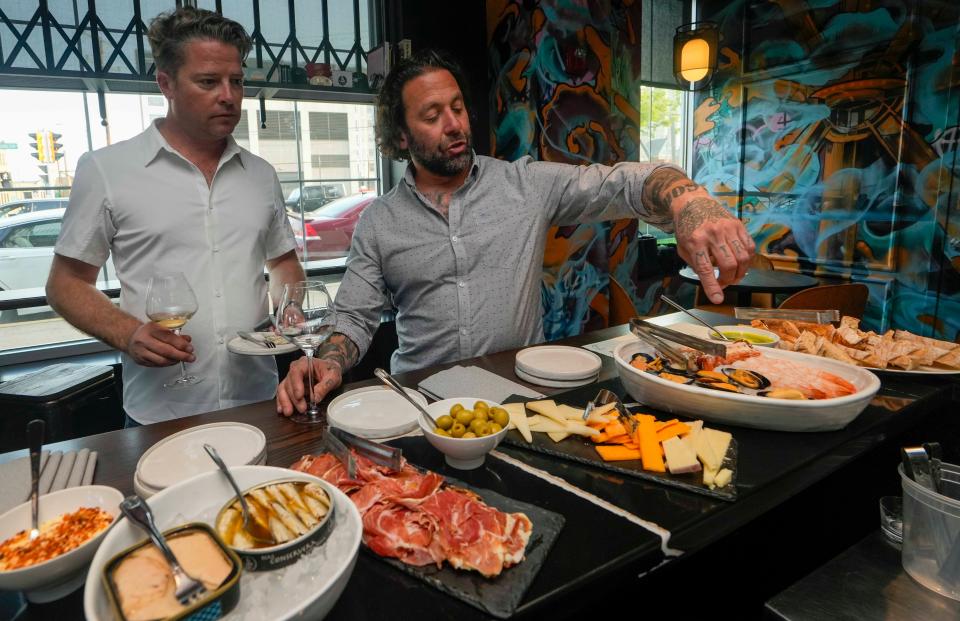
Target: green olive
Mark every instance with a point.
(481, 405)
(457, 430)
(441, 432)
(483, 415)
(445, 422)
(469, 434)
(464, 417)
(456, 407)
(485, 431)
(476, 425)
(500, 416)
(494, 428)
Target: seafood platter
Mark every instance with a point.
(742, 385)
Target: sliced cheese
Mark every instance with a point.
(556, 436)
(518, 419)
(723, 477)
(570, 413)
(709, 475)
(720, 441)
(680, 458)
(706, 453)
(547, 408)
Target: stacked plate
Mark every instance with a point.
(375, 412)
(181, 456)
(557, 366)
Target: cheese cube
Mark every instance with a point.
(680, 458)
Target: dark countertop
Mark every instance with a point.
(866, 582)
(599, 549)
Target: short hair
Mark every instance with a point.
(391, 114)
(170, 31)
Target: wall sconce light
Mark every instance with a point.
(695, 54)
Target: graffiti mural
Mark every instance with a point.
(832, 127)
(565, 77)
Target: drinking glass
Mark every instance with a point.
(171, 303)
(306, 317)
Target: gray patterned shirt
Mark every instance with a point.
(469, 284)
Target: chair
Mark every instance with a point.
(758, 300)
(850, 299)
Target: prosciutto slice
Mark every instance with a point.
(410, 515)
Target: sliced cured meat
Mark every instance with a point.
(394, 531)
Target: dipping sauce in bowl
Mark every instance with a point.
(754, 336)
(57, 536)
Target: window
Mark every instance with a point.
(662, 130)
(156, 100)
(280, 125)
(331, 160)
(39, 235)
(328, 126)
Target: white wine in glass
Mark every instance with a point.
(306, 317)
(171, 303)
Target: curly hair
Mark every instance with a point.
(170, 31)
(391, 115)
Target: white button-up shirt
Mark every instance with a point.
(152, 209)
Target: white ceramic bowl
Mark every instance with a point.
(326, 569)
(745, 329)
(460, 453)
(59, 576)
(748, 410)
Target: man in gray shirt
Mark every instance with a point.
(458, 244)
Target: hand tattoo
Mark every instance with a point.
(662, 187)
(697, 212)
(340, 350)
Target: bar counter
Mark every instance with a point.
(802, 498)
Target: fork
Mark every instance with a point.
(188, 590)
(262, 342)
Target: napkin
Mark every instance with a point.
(605, 348)
(58, 471)
(462, 381)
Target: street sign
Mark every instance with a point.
(8, 145)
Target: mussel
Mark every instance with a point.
(783, 393)
(673, 377)
(717, 385)
(676, 369)
(711, 376)
(746, 378)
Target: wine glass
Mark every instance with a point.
(306, 317)
(171, 303)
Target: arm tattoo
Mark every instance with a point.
(341, 350)
(697, 212)
(662, 187)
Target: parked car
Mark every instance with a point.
(329, 229)
(314, 197)
(26, 252)
(30, 205)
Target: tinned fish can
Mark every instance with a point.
(216, 602)
(284, 522)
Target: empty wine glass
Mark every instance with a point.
(171, 303)
(306, 317)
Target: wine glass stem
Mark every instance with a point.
(183, 368)
(311, 402)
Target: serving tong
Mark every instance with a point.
(924, 465)
(623, 415)
(789, 314)
(339, 442)
(187, 589)
(657, 335)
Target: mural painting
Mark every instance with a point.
(833, 132)
(565, 77)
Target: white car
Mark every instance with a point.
(26, 252)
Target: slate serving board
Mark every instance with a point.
(578, 449)
(498, 596)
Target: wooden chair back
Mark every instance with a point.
(850, 299)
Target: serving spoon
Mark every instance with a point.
(244, 508)
(35, 442)
(697, 319)
(387, 379)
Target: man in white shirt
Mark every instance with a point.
(180, 197)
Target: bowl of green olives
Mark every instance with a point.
(468, 428)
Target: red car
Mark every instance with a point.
(329, 228)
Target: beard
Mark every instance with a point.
(436, 162)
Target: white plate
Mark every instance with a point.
(552, 383)
(375, 412)
(749, 410)
(145, 491)
(558, 362)
(307, 589)
(244, 347)
(180, 456)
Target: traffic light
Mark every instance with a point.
(54, 151)
(39, 145)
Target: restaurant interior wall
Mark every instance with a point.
(315, 136)
(831, 128)
(575, 82)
